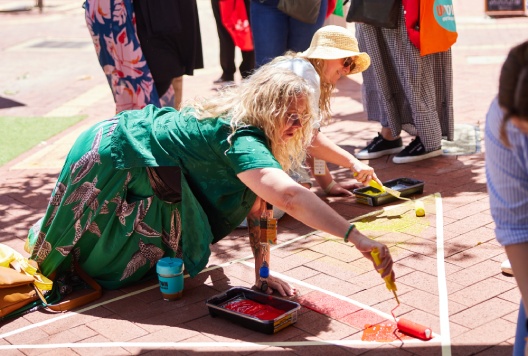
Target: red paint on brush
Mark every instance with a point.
(250, 307)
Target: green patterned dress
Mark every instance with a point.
(104, 213)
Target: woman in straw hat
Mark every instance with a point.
(333, 53)
(507, 174)
(159, 182)
(403, 90)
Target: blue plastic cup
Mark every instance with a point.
(170, 276)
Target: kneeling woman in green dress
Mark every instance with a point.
(159, 182)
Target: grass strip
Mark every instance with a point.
(19, 134)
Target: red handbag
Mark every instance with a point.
(234, 18)
(412, 20)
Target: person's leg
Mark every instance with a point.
(130, 91)
(227, 46)
(177, 85)
(269, 27)
(387, 134)
(248, 57)
(248, 63)
(300, 33)
(379, 85)
(517, 255)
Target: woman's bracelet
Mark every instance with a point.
(350, 228)
(330, 186)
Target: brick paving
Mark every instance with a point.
(456, 289)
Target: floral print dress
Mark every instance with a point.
(112, 26)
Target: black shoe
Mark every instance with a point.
(415, 151)
(222, 81)
(380, 147)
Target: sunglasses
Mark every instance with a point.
(349, 62)
(295, 119)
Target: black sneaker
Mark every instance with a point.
(223, 81)
(415, 151)
(380, 147)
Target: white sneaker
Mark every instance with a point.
(243, 224)
(277, 213)
(506, 267)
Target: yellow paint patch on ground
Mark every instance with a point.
(396, 218)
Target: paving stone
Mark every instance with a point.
(117, 329)
(480, 291)
(482, 337)
(475, 273)
(97, 340)
(334, 285)
(425, 282)
(336, 268)
(323, 326)
(467, 257)
(485, 312)
(513, 295)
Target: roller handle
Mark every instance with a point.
(389, 282)
(374, 184)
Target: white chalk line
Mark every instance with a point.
(442, 284)
(195, 345)
(444, 326)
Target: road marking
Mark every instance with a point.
(39, 44)
(197, 345)
(485, 59)
(442, 284)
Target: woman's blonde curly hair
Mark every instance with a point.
(326, 88)
(263, 101)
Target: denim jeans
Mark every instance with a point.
(521, 333)
(274, 32)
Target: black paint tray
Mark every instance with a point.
(216, 303)
(406, 186)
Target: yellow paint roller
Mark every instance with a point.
(419, 208)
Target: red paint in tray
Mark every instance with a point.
(250, 307)
(240, 305)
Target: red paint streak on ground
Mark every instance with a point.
(383, 332)
(250, 307)
(363, 317)
(375, 327)
(327, 305)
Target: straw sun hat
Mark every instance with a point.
(333, 42)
